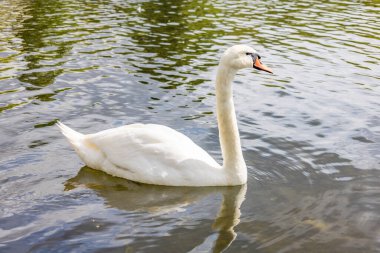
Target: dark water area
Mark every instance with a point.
(310, 132)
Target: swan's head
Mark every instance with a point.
(242, 56)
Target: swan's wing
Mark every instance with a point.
(150, 153)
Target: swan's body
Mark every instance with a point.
(156, 154)
(152, 154)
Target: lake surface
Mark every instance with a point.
(310, 132)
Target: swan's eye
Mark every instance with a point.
(249, 53)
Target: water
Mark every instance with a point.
(310, 132)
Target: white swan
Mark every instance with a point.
(156, 154)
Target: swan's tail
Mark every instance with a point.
(86, 150)
(73, 136)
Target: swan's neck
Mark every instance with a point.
(233, 161)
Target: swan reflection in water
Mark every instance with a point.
(130, 196)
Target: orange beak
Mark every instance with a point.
(258, 65)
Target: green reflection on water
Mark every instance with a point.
(36, 35)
